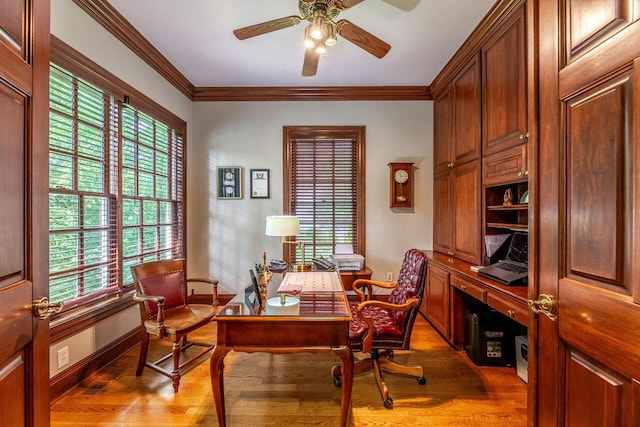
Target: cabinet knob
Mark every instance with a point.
(463, 287)
(450, 253)
(524, 136)
(451, 164)
(520, 173)
(526, 173)
(511, 313)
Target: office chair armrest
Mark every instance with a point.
(367, 341)
(368, 284)
(213, 283)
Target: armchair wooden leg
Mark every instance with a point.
(175, 374)
(144, 349)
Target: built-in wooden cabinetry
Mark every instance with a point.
(480, 153)
(480, 143)
(457, 165)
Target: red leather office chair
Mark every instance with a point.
(380, 327)
(161, 290)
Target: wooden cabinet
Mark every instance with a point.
(504, 85)
(457, 119)
(505, 166)
(457, 212)
(435, 303)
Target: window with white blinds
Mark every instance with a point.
(324, 180)
(115, 191)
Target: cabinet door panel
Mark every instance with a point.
(437, 296)
(443, 130)
(505, 167)
(466, 212)
(442, 214)
(466, 110)
(504, 76)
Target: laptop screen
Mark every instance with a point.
(518, 248)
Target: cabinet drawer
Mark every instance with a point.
(505, 166)
(516, 310)
(475, 291)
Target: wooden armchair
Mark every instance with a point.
(161, 290)
(380, 327)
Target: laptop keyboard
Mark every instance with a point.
(512, 267)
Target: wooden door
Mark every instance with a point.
(24, 353)
(587, 233)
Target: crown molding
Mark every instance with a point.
(107, 16)
(116, 24)
(308, 93)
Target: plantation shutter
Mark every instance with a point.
(324, 185)
(152, 194)
(83, 265)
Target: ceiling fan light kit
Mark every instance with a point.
(321, 32)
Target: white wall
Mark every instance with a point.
(226, 237)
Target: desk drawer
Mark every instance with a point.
(475, 291)
(516, 310)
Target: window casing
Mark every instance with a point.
(116, 179)
(324, 187)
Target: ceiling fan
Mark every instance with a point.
(321, 31)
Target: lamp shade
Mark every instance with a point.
(282, 225)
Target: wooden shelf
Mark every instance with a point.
(507, 226)
(518, 207)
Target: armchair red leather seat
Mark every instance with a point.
(380, 327)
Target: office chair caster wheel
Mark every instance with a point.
(388, 403)
(337, 381)
(422, 380)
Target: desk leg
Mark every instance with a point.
(217, 381)
(346, 355)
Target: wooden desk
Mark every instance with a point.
(348, 277)
(451, 283)
(321, 326)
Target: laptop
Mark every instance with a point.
(513, 270)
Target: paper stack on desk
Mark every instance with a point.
(316, 281)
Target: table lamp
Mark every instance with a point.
(284, 226)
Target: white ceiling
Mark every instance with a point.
(196, 37)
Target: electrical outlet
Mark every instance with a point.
(389, 277)
(63, 357)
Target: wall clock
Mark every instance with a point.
(401, 185)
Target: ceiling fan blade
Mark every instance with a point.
(362, 38)
(266, 27)
(346, 4)
(310, 65)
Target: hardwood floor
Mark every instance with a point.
(297, 390)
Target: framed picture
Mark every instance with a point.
(229, 182)
(259, 183)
